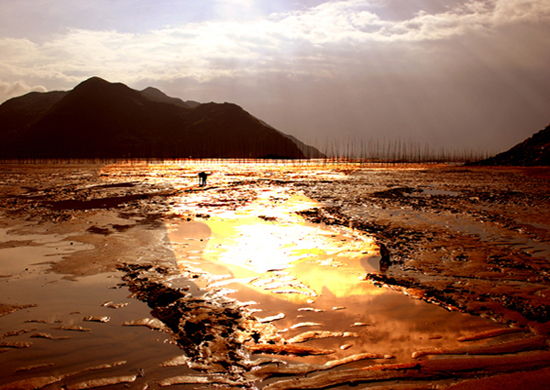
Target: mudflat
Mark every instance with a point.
(273, 275)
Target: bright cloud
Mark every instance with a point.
(17, 88)
(212, 49)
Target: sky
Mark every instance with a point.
(454, 74)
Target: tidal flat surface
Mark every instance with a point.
(273, 276)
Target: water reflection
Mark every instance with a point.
(311, 277)
(58, 303)
(279, 253)
(261, 252)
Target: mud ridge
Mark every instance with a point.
(435, 258)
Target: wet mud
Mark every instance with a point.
(276, 276)
(476, 240)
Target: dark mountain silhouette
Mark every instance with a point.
(534, 151)
(98, 119)
(20, 112)
(307, 150)
(192, 103)
(159, 96)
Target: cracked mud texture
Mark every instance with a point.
(474, 240)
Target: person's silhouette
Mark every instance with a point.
(385, 261)
(202, 178)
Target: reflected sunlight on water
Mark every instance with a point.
(240, 236)
(237, 242)
(308, 276)
(267, 236)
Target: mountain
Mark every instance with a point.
(99, 119)
(159, 96)
(18, 113)
(534, 151)
(307, 150)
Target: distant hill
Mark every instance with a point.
(534, 151)
(18, 113)
(309, 151)
(159, 96)
(99, 119)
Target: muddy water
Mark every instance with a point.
(65, 230)
(310, 277)
(61, 337)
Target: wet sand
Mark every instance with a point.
(273, 275)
